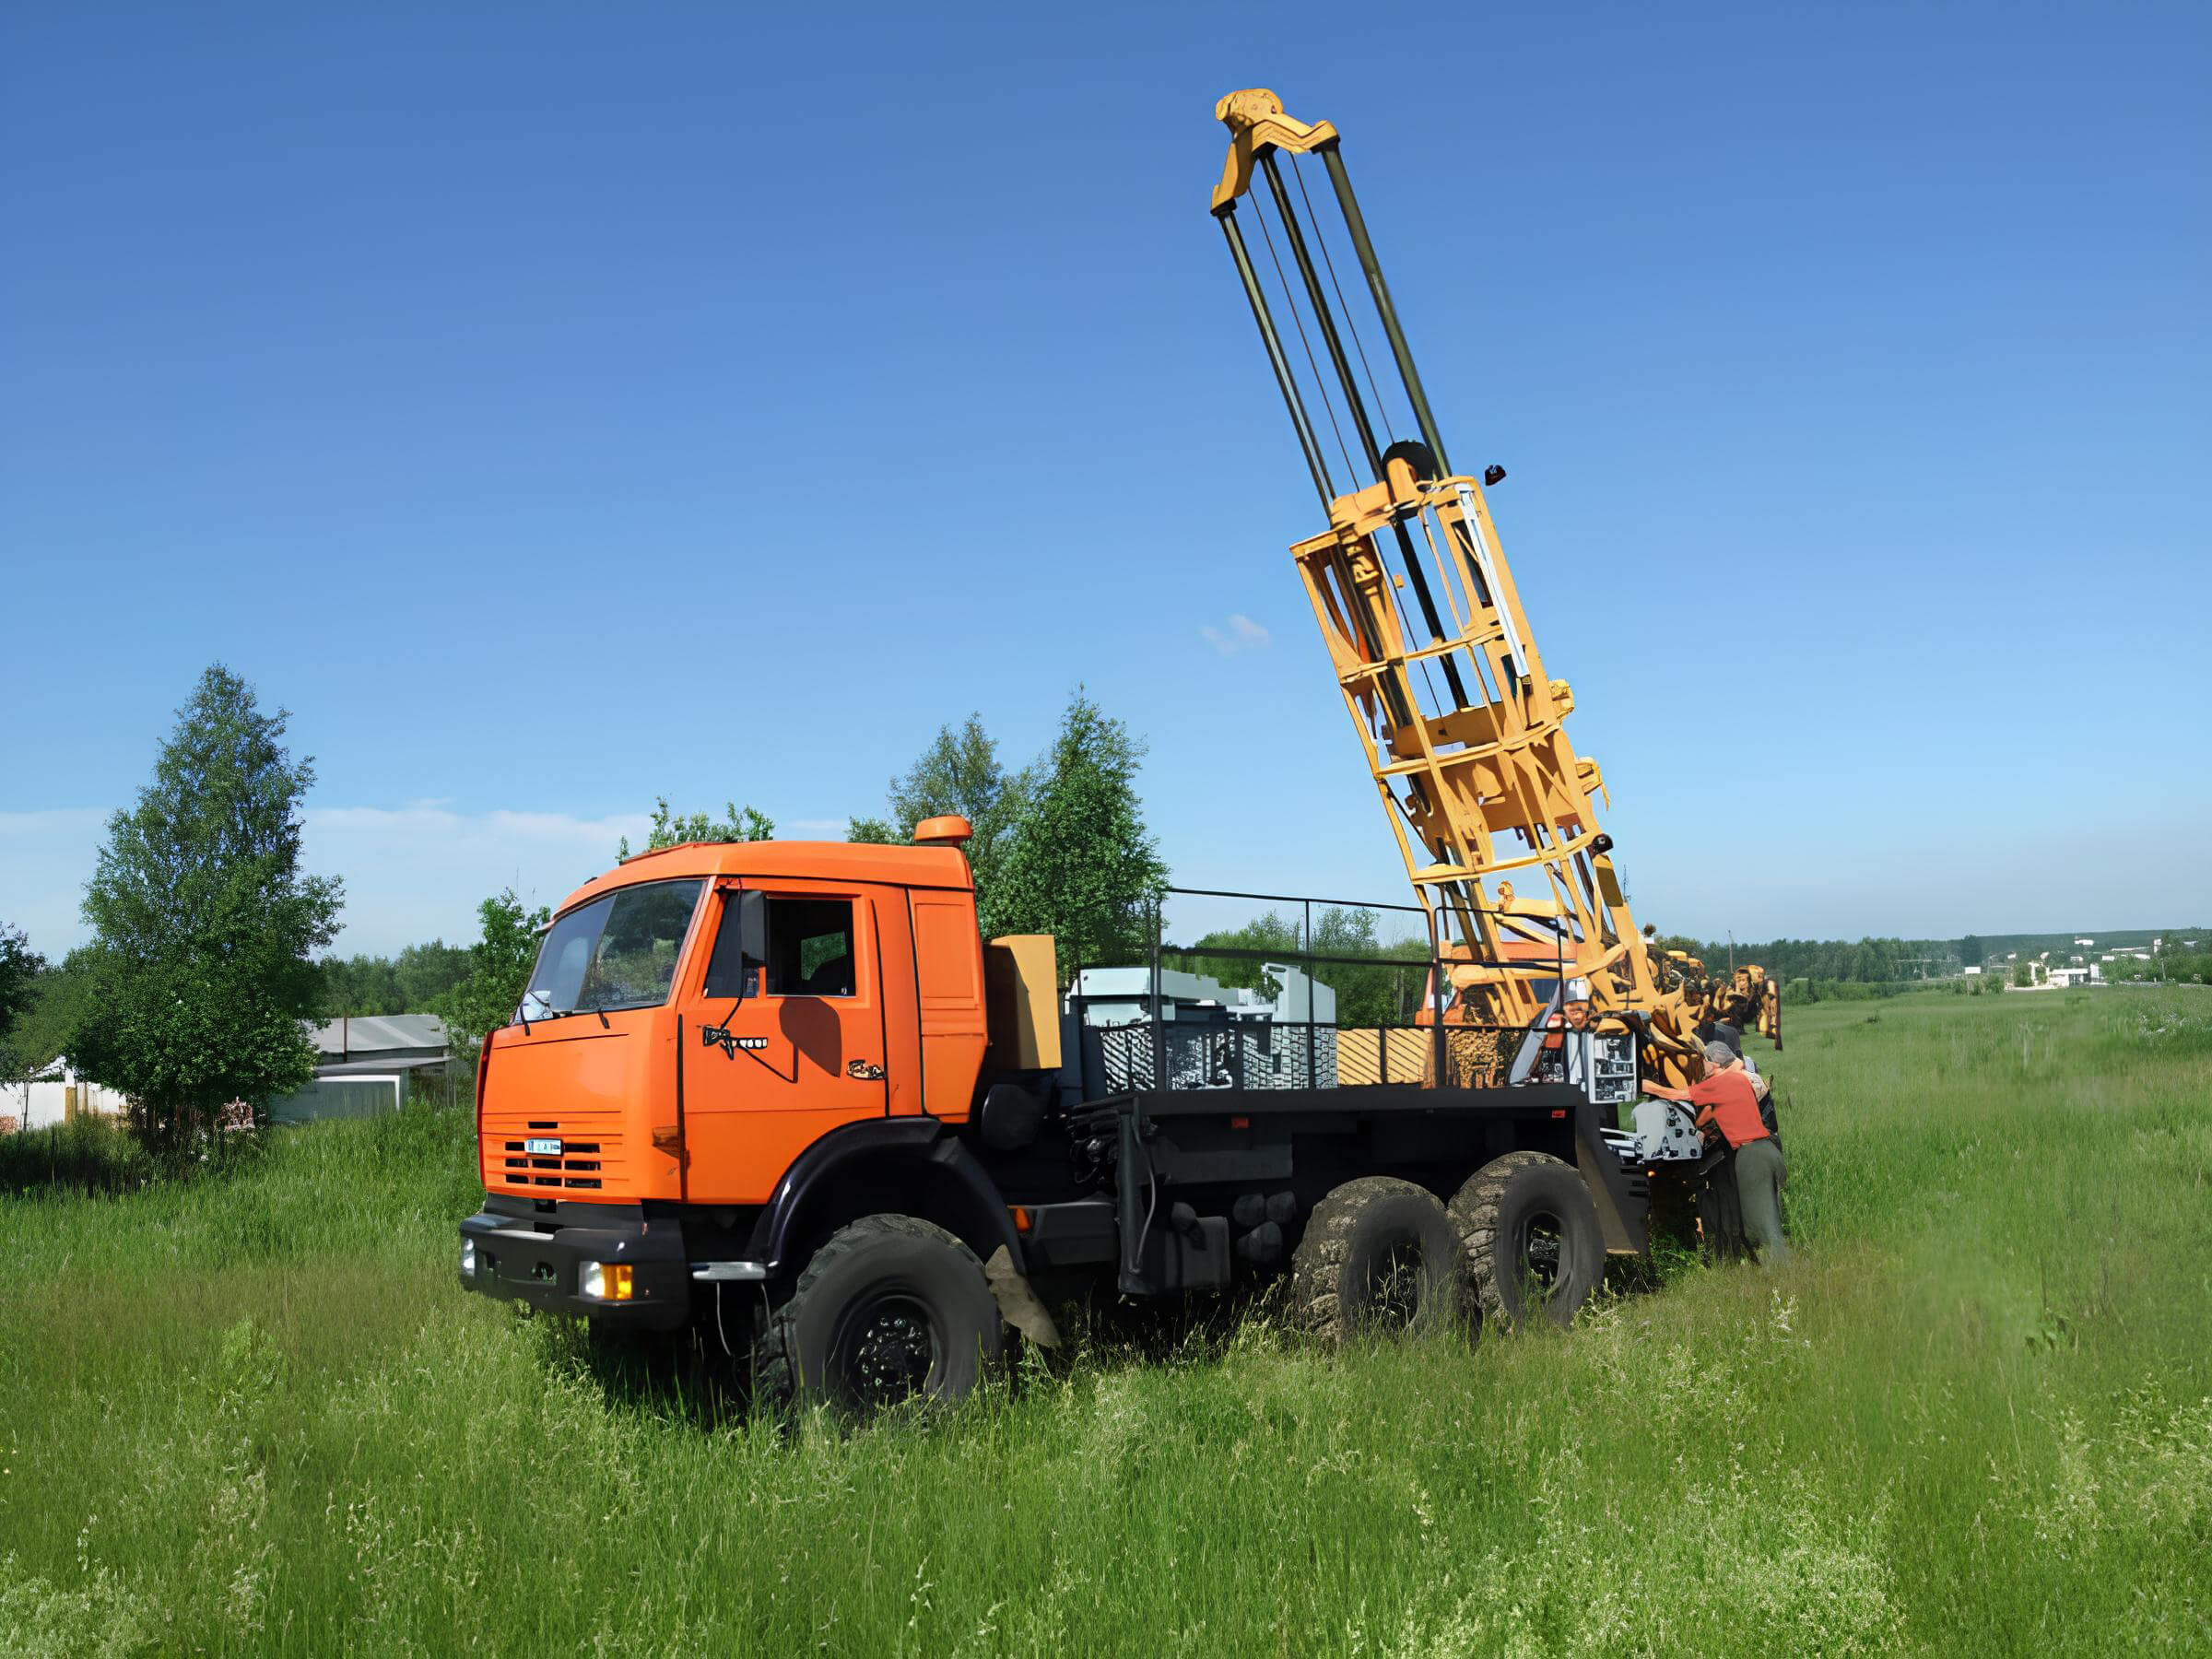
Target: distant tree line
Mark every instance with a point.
(1389, 993)
(414, 982)
(1841, 961)
(2183, 958)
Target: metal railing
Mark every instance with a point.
(1234, 1050)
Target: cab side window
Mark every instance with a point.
(810, 948)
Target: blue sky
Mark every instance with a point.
(556, 406)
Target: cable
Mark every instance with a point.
(1298, 322)
(1135, 1265)
(1382, 409)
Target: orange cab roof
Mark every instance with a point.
(939, 866)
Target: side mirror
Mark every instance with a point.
(740, 944)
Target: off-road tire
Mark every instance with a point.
(1495, 1214)
(890, 1307)
(1377, 1255)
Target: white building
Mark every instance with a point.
(54, 1095)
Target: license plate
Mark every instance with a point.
(542, 1149)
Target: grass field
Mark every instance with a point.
(254, 1412)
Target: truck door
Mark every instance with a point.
(801, 1054)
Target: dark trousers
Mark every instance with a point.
(1760, 1174)
(1720, 1212)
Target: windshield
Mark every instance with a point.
(615, 952)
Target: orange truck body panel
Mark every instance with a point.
(644, 1108)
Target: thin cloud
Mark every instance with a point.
(1242, 634)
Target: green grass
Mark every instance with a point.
(253, 1411)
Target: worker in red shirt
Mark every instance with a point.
(1725, 1099)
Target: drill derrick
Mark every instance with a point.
(1463, 731)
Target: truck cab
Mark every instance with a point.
(699, 1020)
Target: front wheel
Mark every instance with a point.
(892, 1309)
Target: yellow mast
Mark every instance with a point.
(1495, 813)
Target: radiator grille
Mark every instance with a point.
(590, 1161)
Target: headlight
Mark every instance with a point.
(604, 1281)
(468, 1258)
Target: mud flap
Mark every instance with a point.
(1017, 1304)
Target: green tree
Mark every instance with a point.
(20, 971)
(741, 824)
(199, 975)
(500, 965)
(1970, 951)
(44, 1030)
(960, 772)
(1274, 933)
(1081, 866)
(1387, 993)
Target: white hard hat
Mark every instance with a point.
(1578, 990)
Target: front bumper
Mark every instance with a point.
(537, 1261)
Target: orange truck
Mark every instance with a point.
(782, 1094)
(785, 1095)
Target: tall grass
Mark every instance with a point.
(1972, 1417)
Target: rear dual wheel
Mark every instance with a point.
(1379, 1257)
(1529, 1231)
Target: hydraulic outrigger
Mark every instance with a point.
(1462, 727)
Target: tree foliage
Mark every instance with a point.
(499, 964)
(1386, 994)
(960, 772)
(199, 974)
(20, 968)
(1864, 961)
(673, 830)
(2182, 956)
(43, 1030)
(411, 982)
(1080, 864)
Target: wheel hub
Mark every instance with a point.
(889, 1350)
(1540, 1245)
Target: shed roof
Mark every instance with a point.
(367, 1034)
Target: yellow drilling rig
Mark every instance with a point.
(1464, 730)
